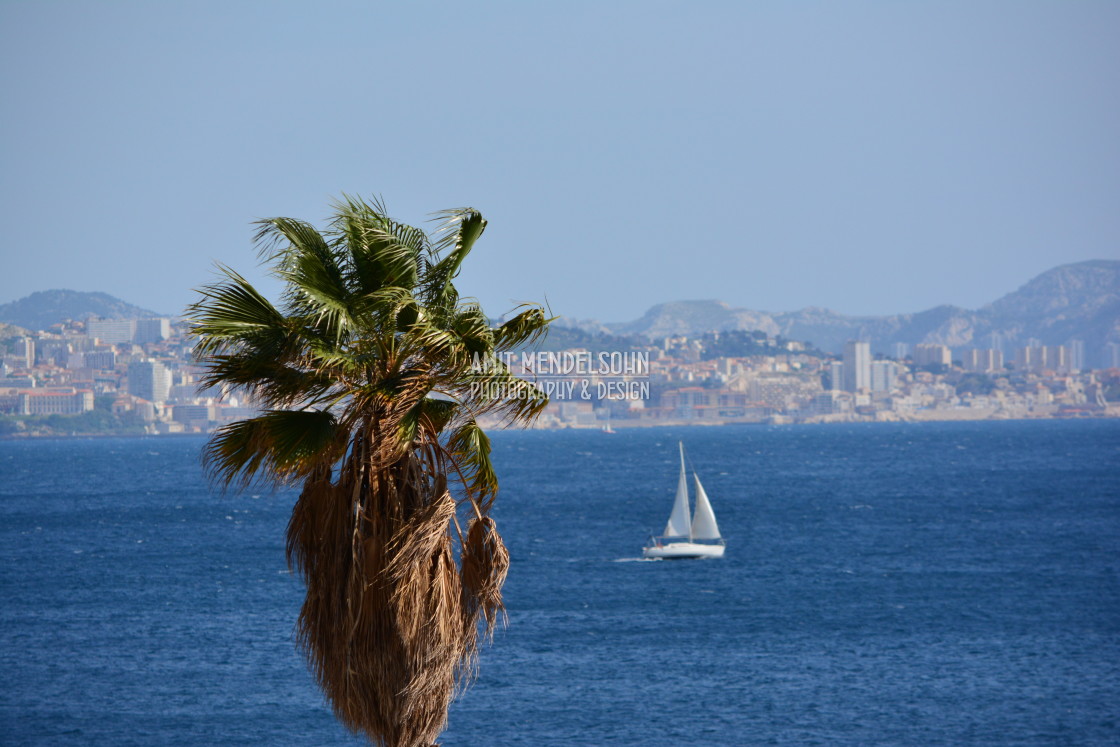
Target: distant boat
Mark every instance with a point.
(683, 537)
(607, 429)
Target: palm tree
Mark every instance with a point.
(373, 373)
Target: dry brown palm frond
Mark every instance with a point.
(406, 571)
(419, 537)
(484, 565)
(435, 653)
(383, 624)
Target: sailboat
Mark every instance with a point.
(683, 537)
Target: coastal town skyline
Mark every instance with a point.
(139, 375)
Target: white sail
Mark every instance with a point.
(679, 525)
(685, 538)
(704, 520)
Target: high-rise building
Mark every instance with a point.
(53, 351)
(1029, 358)
(1038, 358)
(836, 375)
(152, 330)
(900, 350)
(1112, 355)
(1077, 361)
(982, 361)
(884, 375)
(149, 380)
(24, 349)
(1057, 358)
(112, 331)
(857, 365)
(102, 360)
(932, 355)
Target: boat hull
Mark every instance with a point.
(683, 551)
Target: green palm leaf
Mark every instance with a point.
(279, 445)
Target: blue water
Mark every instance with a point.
(883, 584)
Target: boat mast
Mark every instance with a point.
(684, 482)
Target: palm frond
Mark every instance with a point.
(313, 272)
(456, 237)
(278, 240)
(485, 563)
(473, 328)
(381, 252)
(469, 447)
(228, 311)
(525, 328)
(435, 414)
(278, 445)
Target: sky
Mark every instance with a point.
(867, 157)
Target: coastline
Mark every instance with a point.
(942, 416)
(1112, 411)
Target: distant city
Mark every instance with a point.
(138, 376)
(88, 363)
(790, 385)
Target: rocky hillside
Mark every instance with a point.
(1075, 301)
(1072, 301)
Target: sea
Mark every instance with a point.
(883, 584)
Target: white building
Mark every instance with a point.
(857, 365)
(152, 330)
(112, 331)
(1112, 355)
(884, 376)
(66, 401)
(836, 374)
(982, 360)
(23, 350)
(932, 355)
(149, 379)
(1077, 358)
(1057, 358)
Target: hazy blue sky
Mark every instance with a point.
(868, 157)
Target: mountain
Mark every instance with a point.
(1080, 300)
(1074, 301)
(942, 325)
(684, 317)
(42, 309)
